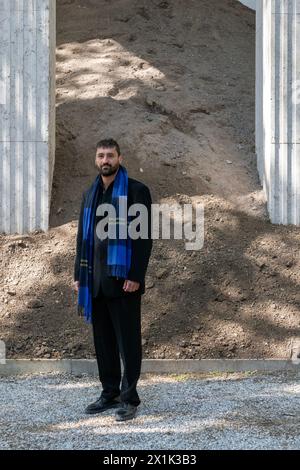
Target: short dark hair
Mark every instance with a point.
(108, 143)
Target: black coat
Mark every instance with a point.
(138, 192)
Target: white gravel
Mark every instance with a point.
(232, 411)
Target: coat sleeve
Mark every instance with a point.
(141, 248)
(79, 240)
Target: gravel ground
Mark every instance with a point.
(231, 411)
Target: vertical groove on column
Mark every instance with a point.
(266, 77)
(5, 115)
(43, 57)
(290, 111)
(275, 113)
(39, 110)
(33, 170)
(282, 106)
(29, 115)
(17, 178)
(259, 138)
(295, 103)
(11, 163)
(52, 94)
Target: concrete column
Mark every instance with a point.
(27, 113)
(277, 107)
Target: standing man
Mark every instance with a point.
(109, 277)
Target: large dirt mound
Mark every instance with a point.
(173, 82)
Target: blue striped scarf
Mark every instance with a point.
(118, 250)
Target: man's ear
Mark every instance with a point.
(121, 158)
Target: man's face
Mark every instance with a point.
(107, 161)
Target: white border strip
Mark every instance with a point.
(155, 366)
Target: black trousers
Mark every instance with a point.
(117, 331)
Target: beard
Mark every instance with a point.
(107, 169)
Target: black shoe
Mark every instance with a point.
(126, 411)
(102, 404)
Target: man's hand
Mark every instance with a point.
(76, 286)
(130, 286)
